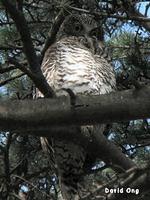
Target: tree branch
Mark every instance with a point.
(4, 23)
(10, 79)
(56, 118)
(52, 35)
(7, 48)
(23, 29)
(135, 16)
(6, 69)
(24, 69)
(135, 179)
(29, 50)
(44, 113)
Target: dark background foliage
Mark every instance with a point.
(25, 171)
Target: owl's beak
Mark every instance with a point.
(90, 42)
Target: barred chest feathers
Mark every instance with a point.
(69, 64)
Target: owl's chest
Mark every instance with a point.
(75, 69)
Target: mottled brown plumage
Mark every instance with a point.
(76, 61)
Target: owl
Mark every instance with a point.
(76, 61)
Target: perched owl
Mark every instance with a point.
(76, 62)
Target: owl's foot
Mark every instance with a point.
(71, 95)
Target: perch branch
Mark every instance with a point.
(29, 50)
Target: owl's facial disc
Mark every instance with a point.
(83, 27)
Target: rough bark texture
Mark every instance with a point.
(44, 113)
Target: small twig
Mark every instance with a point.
(9, 47)
(29, 22)
(125, 47)
(34, 186)
(100, 14)
(11, 79)
(16, 196)
(8, 69)
(128, 176)
(6, 161)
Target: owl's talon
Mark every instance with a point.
(71, 95)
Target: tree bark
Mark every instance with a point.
(33, 60)
(88, 110)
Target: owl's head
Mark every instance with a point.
(80, 26)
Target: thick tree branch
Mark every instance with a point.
(52, 34)
(29, 50)
(22, 27)
(56, 118)
(24, 69)
(44, 113)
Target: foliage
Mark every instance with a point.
(22, 162)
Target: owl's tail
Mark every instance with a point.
(69, 192)
(70, 160)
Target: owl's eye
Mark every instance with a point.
(78, 27)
